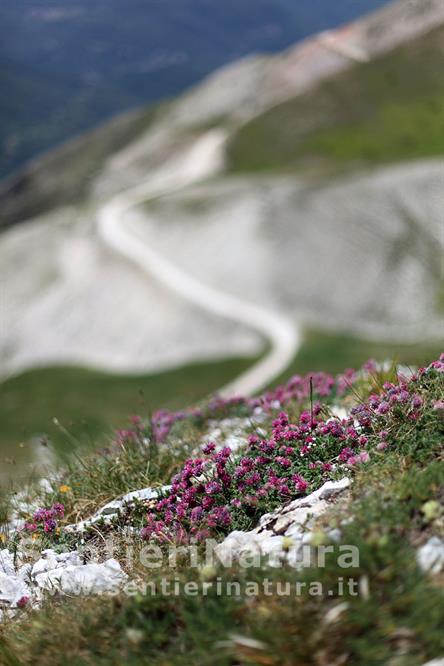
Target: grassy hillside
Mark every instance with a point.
(89, 405)
(388, 109)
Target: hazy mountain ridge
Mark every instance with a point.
(234, 94)
(93, 60)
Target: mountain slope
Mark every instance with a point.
(92, 61)
(65, 175)
(241, 91)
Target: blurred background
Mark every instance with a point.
(189, 189)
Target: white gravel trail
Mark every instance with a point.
(203, 159)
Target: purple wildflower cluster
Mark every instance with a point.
(135, 433)
(163, 420)
(213, 491)
(223, 489)
(295, 392)
(46, 520)
(23, 602)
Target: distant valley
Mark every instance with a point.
(64, 69)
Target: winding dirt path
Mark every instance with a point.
(202, 160)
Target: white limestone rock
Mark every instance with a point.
(335, 535)
(12, 589)
(430, 556)
(51, 560)
(285, 519)
(84, 579)
(238, 542)
(53, 572)
(283, 533)
(339, 412)
(112, 510)
(7, 562)
(46, 486)
(24, 572)
(71, 557)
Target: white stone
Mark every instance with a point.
(229, 432)
(51, 560)
(270, 545)
(335, 613)
(234, 544)
(86, 579)
(430, 556)
(339, 412)
(290, 521)
(295, 532)
(12, 589)
(7, 562)
(6, 613)
(335, 535)
(44, 564)
(300, 510)
(24, 572)
(54, 572)
(332, 488)
(39, 567)
(72, 557)
(112, 509)
(235, 443)
(46, 486)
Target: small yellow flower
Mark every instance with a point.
(2, 538)
(64, 489)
